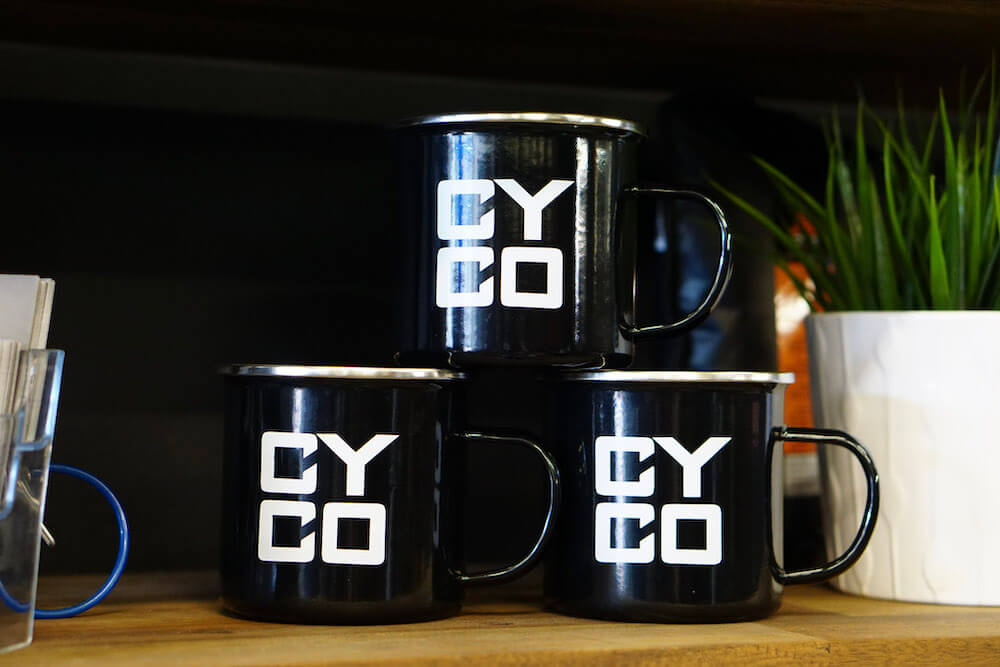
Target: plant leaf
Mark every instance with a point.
(869, 269)
(974, 212)
(812, 206)
(815, 301)
(816, 271)
(921, 232)
(953, 227)
(989, 296)
(903, 246)
(940, 293)
(854, 231)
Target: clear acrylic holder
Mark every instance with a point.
(25, 447)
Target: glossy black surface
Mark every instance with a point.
(582, 223)
(416, 478)
(869, 515)
(738, 478)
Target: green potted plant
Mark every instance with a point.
(902, 250)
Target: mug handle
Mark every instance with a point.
(722, 272)
(521, 566)
(868, 518)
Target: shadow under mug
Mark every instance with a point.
(519, 240)
(672, 495)
(341, 494)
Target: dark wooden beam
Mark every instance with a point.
(776, 48)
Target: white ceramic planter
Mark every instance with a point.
(921, 390)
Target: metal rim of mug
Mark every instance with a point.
(341, 372)
(730, 377)
(528, 117)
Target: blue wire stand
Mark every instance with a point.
(116, 572)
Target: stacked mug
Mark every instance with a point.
(342, 483)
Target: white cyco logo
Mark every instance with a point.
(305, 512)
(614, 516)
(458, 203)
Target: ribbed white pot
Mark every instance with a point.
(921, 390)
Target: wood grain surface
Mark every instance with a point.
(798, 48)
(175, 618)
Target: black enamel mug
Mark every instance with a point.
(672, 495)
(520, 240)
(341, 493)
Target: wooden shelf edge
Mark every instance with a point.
(171, 618)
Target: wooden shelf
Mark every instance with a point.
(175, 618)
(784, 48)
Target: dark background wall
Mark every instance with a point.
(182, 240)
(206, 181)
(178, 243)
(234, 219)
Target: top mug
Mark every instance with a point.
(519, 248)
